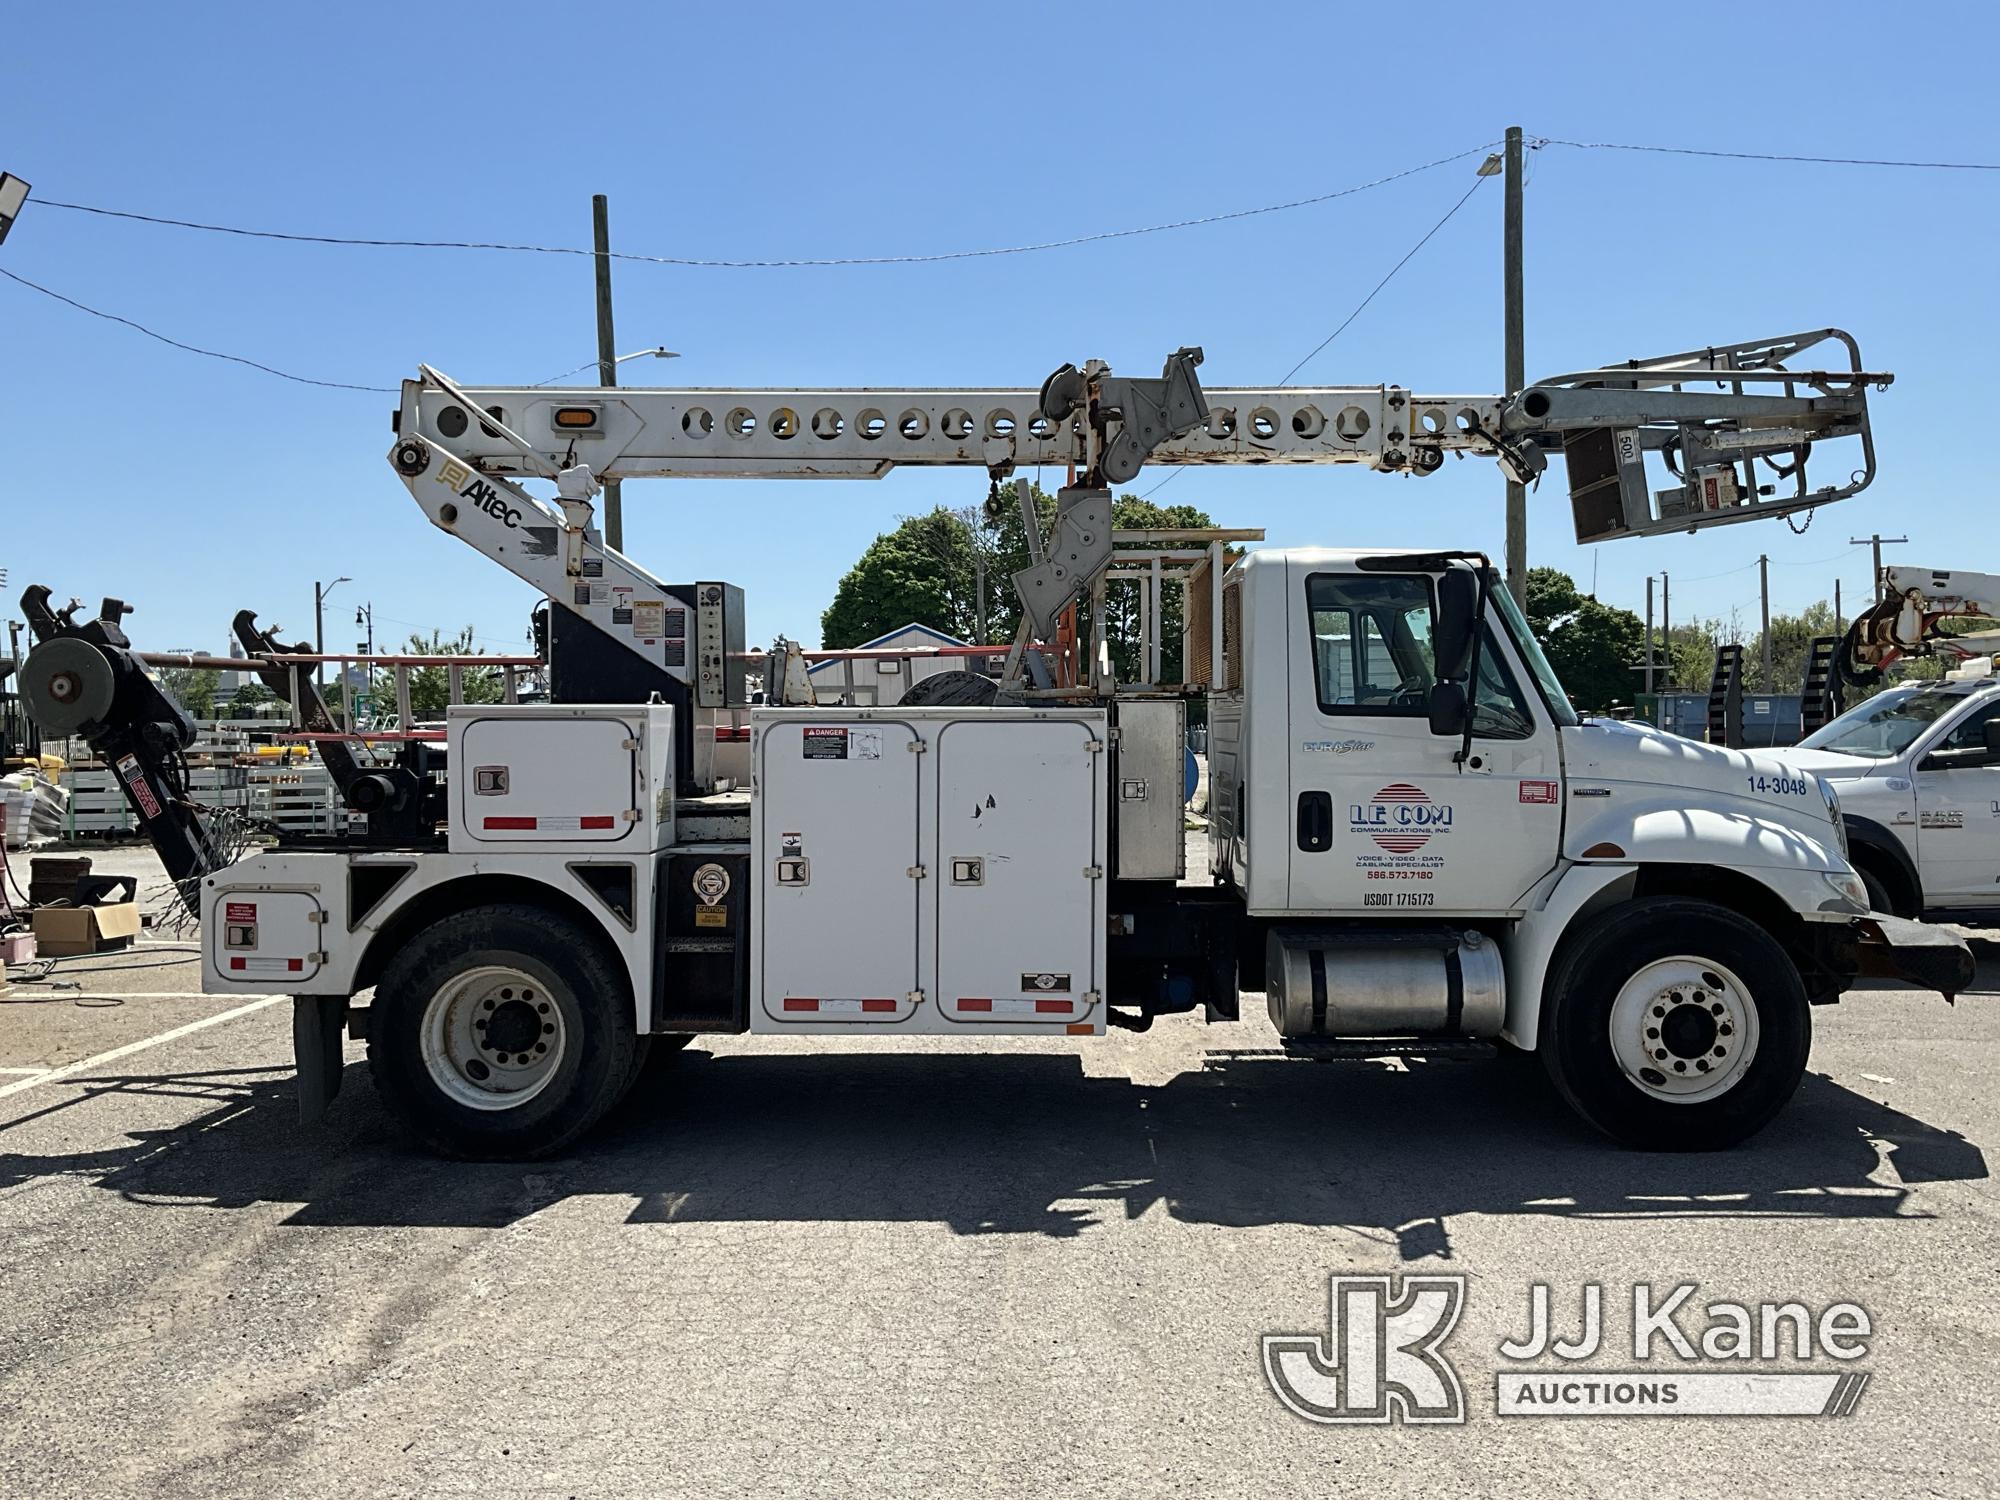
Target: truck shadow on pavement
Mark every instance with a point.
(1017, 1143)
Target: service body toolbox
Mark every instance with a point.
(937, 871)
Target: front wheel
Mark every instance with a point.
(501, 1032)
(1674, 1024)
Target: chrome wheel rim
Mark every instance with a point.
(493, 1038)
(1684, 1029)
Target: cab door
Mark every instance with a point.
(1383, 818)
(1958, 814)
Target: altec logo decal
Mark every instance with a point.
(1401, 819)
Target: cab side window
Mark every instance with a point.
(1970, 732)
(1371, 642)
(1499, 712)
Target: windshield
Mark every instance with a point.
(1546, 681)
(1887, 724)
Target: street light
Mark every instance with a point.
(13, 193)
(592, 364)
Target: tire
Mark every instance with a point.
(1881, 895)
(1734, 1028)
(540, 985)
(1878, 894)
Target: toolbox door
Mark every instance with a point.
(837, 892)
(1020, 871)
(258, 935)
(554, 781)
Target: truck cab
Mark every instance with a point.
(1919, 785)
(1337, 792)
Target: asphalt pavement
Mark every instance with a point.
(830, 1267)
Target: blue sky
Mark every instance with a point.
(193, 488)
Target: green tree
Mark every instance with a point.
(1592, 645)
(193, 688)
(1791, 644)
(430, 687)
(926, 571)
(250, 696)
(1689, 653)
(922, 573)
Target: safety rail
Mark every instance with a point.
(398, 666)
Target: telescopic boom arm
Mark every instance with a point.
(1733, 450)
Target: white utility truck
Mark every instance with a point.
(1412, 834)
(1917, 766)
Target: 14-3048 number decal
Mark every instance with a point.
(1779, 786)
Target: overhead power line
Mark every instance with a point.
(1359, 307)
(1362, 306)
(773, 262)
(234, 359)
(1824, 161)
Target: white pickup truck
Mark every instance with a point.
(1917, 771)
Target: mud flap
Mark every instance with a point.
(317, 1023)
(1929, 957)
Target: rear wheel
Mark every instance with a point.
(1675, 1024)
(502, 1032)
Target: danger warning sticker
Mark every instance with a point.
(239, 911)
(824, 743)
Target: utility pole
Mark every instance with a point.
(1517, 362)
(979, 591)
(1839, 619)
(1764, 594)
(1875, 541)
(1667, 629)
(319, 636)
(320, 591)
(607, 357)
(1649, 634)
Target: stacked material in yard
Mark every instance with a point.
(296, 798)
(219, 767)
(32, 809)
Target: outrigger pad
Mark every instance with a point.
(1926, 956)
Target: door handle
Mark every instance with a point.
(1315, 822)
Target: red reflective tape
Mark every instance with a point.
(293, 965)
(604, 822)
(236, 963)
(878, 1005)
(728, 736)
(792, 1003)
(509, 823)
(975, 1005)
(1048, 1005)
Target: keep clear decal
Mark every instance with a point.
(1399, 833)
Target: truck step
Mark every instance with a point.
(1351, 1049)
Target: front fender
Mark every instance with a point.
(1610, 849)
(1792, 861)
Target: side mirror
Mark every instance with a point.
(1451, 640)
(1447, 708)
